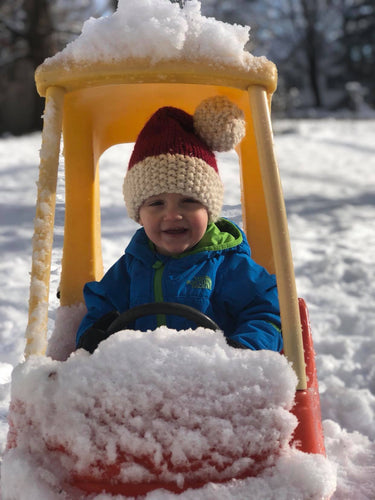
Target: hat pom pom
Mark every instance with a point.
(220, 123)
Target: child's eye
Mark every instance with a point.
(155, 203)
(190, 200)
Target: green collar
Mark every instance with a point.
(220, 235)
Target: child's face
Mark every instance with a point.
(174, 223)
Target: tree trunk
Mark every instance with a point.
(32, 42)
(311, 10)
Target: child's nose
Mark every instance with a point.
(173, 213)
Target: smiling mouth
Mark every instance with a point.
(177, 231)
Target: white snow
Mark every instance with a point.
(162, 31)
(151, 394)
(187, 394)
(327, 169)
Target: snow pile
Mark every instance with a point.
(328, 169)
(158, 30)
(355, 459)
(180, 407)
(63, 338)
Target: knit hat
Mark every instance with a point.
(174, 154)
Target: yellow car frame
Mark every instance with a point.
(96, 106)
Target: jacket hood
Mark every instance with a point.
(220, 235)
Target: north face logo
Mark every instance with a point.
(200, 282)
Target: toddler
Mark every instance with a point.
(184, 252)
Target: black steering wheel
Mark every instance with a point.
(171, 308)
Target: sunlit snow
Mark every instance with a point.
(327, 169)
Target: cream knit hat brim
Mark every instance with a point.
(167, 173)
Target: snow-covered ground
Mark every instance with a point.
(328, 175)
(198, 397)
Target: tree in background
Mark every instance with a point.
(320, 47)
(324, 49)
(330, 45)
(300, 47)
(31, 31)
(358, 46)
(26, 38)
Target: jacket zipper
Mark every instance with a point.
(158, 290)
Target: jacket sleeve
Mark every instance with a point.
(251, 303)
(102, 297)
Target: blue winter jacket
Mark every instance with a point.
(218, 277)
